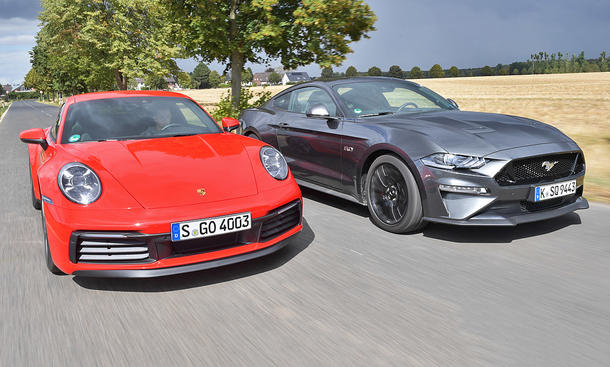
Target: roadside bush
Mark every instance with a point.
(247, 99)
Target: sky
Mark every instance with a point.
(465, 33)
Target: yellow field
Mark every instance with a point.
(577, 104)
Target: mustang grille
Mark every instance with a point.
(287, 217)
(540, 169)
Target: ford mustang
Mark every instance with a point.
(414, 157)
(145, 184)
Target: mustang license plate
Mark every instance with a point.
(211, 226)
(555, 190)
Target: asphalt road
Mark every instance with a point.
(344, 293)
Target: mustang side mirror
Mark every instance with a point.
(34, 136)
(453, 103)
(229, 124)
(318, 110)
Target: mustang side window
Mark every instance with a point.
(305, 98)
(282, 102)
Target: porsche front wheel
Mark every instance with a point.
(47, 251)
(393, 197)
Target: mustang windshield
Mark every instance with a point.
(135, 118)
(383, 97)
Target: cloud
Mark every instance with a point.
(17, 40)
(14, 66)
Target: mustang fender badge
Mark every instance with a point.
(201, 191)
(549, 165)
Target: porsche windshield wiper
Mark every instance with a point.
(377, 114)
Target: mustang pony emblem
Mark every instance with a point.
(549, 165)
(201, 191)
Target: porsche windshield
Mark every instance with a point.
(383, 97)
(135, 118)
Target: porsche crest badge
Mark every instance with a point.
(201, 191)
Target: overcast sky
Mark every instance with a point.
(466, 33)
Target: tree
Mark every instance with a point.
(90, 42)
(201, 76)
(269, 70)
(436, 71)
(295, 32)
(155, 82)
(275, 78)
(184, 80)
(395, 72)
(454, 72)
(374, 71)
(351, 72)
(487, 71)
(416, 73)
(327, 73)
(214, 79)
(247, 76)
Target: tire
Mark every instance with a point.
(37, 204)
(47, 252)
(392, 196)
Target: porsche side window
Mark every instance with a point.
(305, 98)
(282, 102)
(55, 126)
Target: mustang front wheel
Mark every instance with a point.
(392, 196)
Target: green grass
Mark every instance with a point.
(3, 109)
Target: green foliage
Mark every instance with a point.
(453, 72)
(214, 79)
(436, 71)
(416, 73)
(327, 73)
(295, 32)
(201, 76)
(184, 79)
(247, 75)
(395, 72)
(155, 82)
(275, 78)
(487, 71)
(247, 100)
(374, 71)
(515, 71)
(351, 72)
(15, 96)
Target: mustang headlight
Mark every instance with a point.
(79, 183)
(451, 161)
(274, 163)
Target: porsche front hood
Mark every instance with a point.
(179, 171)
(476, 133)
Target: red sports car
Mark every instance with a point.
(145, 184)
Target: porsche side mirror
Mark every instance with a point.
(453, 103)
(229, 124)
(318, 110)
(34, 136)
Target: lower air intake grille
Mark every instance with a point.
(110, 248)
(288, 217)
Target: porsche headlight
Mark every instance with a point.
(79, 183)
(274, 163)
(451, 161)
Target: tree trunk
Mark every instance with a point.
(121, 80)
(237, 59)
(237, 63)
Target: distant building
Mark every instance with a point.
(7, 88)
(295, 77)
(261, 78)
(171, 83)
(140, 83)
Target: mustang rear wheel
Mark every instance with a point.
(47, 252)
(393, 196)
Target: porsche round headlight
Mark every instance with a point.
(274, 162)
(451, 161)
(79, 183)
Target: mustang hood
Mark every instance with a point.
(476, 133)
(169, 172)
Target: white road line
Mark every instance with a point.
(356, 252)
(5, 112)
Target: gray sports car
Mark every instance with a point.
(413, 157)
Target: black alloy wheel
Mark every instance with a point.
(393, 197)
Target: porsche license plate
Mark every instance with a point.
(555, 190)
(211, 226)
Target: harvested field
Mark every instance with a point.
(577, 104)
